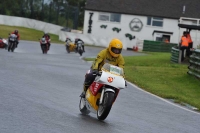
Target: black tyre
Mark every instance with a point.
(13, 47)
(68, 50)
(82, 107)
(105, 106)
(44, 49)
(9, 47)
(80, 52)
(6, 47)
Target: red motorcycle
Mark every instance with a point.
(3, 43)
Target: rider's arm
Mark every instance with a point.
(18, 36)
(98, 60)
(121, 61)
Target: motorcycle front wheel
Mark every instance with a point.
(13, 47)
(82, 107)
(9, 47)
(105, 106)
(80, 52)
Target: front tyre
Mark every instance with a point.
(105, 106)
(82, 107)
(13, 47)
(80, 52)
(9, 47)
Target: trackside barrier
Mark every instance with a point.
(157, 46)
(194, 67)
(175, 54)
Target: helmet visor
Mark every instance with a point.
(116, 50)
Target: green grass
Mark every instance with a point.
(156, 74)
(27, 33)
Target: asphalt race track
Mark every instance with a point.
(40, 94)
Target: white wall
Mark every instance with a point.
(30, 23)
(99, 36)
(169, 25)
(51, 28)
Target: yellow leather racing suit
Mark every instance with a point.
(105, 57)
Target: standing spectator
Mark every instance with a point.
(184, 45)
(166, 40)
(190, 43)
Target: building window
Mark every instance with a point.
(112, 17)
(115, 17)
(104, 17)
(155, 21)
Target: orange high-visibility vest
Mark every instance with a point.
(184, 41)
(189, 38)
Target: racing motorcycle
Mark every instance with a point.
(12, 42)
(79, 47)
(3, 43)
(44, 45)
(70, 46)
(102, 93)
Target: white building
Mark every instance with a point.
(143, 19)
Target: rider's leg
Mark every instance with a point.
(89, 78)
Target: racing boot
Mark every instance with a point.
(85, 87)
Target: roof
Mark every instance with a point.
(156, 8)
(194, 27)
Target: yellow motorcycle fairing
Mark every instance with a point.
(92, 99)
(72, 47)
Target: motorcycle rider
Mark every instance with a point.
(48, 39)
(68, 40)
(18, 36)
(111, 55)
(76, 43)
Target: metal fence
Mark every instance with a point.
(194, 67)
(175, 55)
(157, 46)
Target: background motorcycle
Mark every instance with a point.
(70, 47)
(44, 45)
(12, 42)
(3, 43)
(103, 92)
(80, 47)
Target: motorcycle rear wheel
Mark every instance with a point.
(105, 106)
(82, 107)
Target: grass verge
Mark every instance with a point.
(27, 33)
(156, 74)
